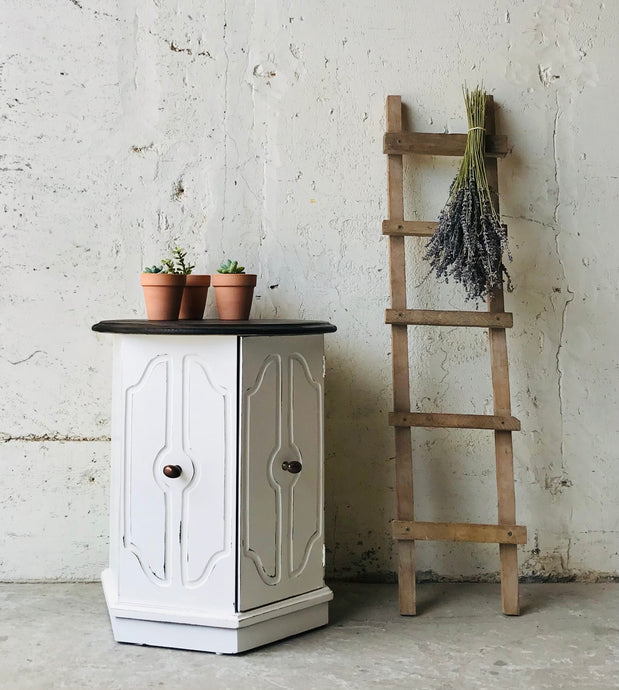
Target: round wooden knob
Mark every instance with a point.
(294, 466)
(172, 471)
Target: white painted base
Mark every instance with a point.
(219, 640)
(237, 633)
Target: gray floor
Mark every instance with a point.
(58, 636)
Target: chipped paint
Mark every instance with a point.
(254, 130)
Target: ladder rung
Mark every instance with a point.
(454, 421)
(440, 144)
(430, 317)
(459, 531)
(409, 228)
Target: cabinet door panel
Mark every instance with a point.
(281, 468)
(205, 500)
(306, 435)
(262, 440)
(177, 404)
(146, 440)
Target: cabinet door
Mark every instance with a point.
(176, 406)
(281, 468)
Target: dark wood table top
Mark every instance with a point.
(215, 327)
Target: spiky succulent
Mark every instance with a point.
(175, 265)
(180, 266)
(230, 267)
(470, 239)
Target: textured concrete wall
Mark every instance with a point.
(253, 130)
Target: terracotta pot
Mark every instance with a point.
(163, 293)
(194, 297)
(234, 293)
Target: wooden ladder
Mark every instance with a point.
(406, 529)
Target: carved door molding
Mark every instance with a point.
(281, 469)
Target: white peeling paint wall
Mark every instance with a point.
(254, 131)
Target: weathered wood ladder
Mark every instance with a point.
(406, 529)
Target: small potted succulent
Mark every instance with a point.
(165, 286)
(195, 291)
(234, 291)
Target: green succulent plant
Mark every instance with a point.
(180, 266)
(231, 267)
(175, 265)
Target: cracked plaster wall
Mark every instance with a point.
(253, 129)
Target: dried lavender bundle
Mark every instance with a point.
(469, 242)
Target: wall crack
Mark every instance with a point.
(555, 127)
(57, 438)
(225, 118)
(188, 51)
(21, 361)
(563, 482)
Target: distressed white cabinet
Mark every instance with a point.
(217, 534)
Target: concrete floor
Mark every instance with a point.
(58, 636)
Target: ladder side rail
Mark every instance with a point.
(400, 369)
(506, 497)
